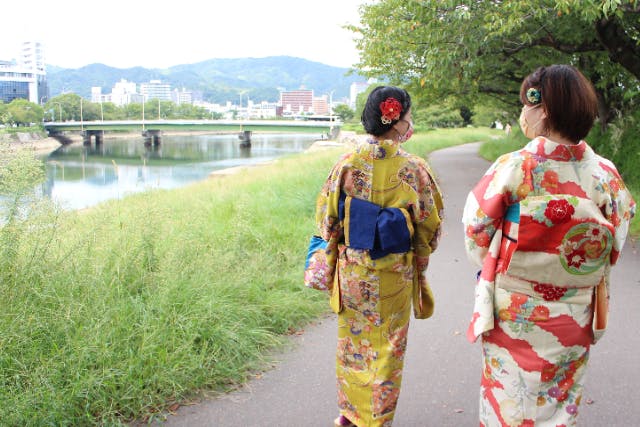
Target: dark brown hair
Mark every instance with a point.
(568, 99)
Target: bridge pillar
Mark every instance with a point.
(245, 138)
(98, 135)
(152, 137)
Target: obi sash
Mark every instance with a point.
(379, 230)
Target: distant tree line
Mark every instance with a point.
(69, 106)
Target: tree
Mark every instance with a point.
(112, 112)
(480, 51)
(3, 112)
(344, 112)
(466, 115)
(23, 112)
(66, 105)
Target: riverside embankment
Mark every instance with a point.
(138, 304)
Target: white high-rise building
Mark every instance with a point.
(25, 77)
(124, 93)
(155, 89)
(183, 96)
(32, 56)
(356, 89)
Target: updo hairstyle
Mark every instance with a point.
(372, 115)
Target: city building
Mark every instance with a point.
(155, 89)
(25, 77)
(124, 92)
(321, 105)
(98, 97)
(262, 110)
(355, 89)
(183, 96)
(296, 102)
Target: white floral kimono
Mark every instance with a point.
(546, 224)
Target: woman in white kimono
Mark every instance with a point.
(546, 223)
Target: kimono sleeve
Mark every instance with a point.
(619, 210)
(429, 215)
(328, 222)
(486, 205)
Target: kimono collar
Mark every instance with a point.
(378, 149)
(548, 149)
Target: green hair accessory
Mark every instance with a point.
(534, 96)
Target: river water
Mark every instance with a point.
(79, 176)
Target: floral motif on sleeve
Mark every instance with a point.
(504, 183)
(620, 207)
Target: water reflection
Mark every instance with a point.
(83, 175)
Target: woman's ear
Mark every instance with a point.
(543, 115)
(397, 128)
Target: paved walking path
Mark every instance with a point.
(442, 370)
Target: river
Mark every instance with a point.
(79, 176)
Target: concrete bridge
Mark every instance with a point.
(151, 130)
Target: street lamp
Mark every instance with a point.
(331, 105)
(81, 120)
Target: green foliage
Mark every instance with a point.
(494, 148)
(437, 116)
(620, 145)
(344, 112)
(3, 113)
(21, 112)
(20, 172)
(421, 44)
(466, 115)
(67, 107)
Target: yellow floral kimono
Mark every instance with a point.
(375, 292)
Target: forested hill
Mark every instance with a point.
(219, 80)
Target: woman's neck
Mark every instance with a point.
(556, 137)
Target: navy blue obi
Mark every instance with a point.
(382, 231)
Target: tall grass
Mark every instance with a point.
(114, 313)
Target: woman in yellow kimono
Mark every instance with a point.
(382, 208)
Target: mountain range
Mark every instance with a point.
(218, 80)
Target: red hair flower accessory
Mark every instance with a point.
(390, 109)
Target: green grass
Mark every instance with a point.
(112, 314)
(435, 139)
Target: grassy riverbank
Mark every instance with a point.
(115, 313)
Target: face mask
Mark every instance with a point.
(529, 132)
(408, 133)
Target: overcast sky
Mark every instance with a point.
(128, 33)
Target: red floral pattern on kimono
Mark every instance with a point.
(546, 224)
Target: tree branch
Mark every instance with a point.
(622, 49)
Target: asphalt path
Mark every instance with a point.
(442, 369)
